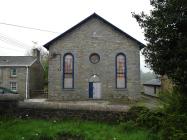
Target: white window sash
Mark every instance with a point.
(12, 72)
(13, 86)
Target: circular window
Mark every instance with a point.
(94, 58)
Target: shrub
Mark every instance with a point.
(150, 119)
(134, 112)
(170, 122)
(174, 127)
(173, 102)
(174, 124)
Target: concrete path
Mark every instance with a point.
(73, 105)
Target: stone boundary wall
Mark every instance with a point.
(9, 97)
(11, 108)
(107, 116)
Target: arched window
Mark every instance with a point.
(120, 71)
(68, 71)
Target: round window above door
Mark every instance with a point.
(94, 58)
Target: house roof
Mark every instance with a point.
(16, 60)
(94, 15)
(154, 82)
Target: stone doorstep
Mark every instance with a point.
(71, 105)
(35, 100)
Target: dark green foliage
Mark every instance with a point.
(170, 122)
(143, 117)
(174, 124)
(150, 119)
(173, 102)
(165, 30)
(135, 111)
(174, 127)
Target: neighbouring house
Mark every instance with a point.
(94, 60)
(152, 87)
(22, 74)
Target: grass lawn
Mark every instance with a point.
(29, 129)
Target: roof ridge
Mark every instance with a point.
(17, 60)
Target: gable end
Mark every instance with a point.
(94, 15)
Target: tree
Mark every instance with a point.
(165, 30)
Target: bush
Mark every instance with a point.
(174, 127)
(134, 112)
(170, 122)
(173, 102)
(151, 120)
(174, 124)
(143, 117)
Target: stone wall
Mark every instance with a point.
(11, 108)
(9, 104)
(107, 116)
(94, 36)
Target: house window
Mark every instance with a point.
(68, 71)
(13, 86)
(120, 71)
(13, 72)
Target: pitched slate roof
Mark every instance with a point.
(154, 82)
(16, 60)
(94, 15)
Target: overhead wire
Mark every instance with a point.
(11, 48)
(4, 38)
(12, 41)
(27, 27)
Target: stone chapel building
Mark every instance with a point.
(94, 60)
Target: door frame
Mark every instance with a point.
(91, 90)
(93, 79)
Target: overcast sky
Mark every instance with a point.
(60, 15)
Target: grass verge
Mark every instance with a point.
(30, 129)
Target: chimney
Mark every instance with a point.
(36, 54)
